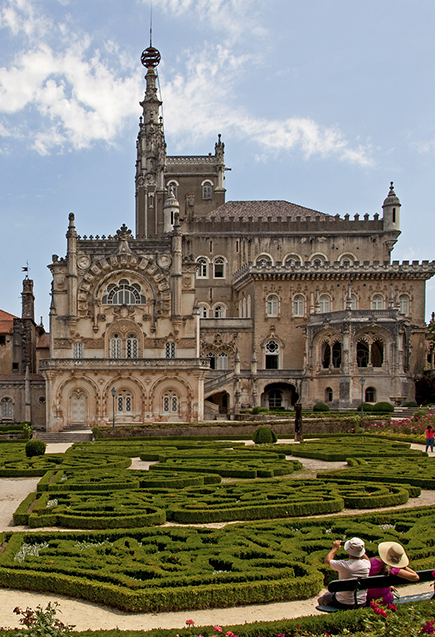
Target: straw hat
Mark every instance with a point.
(355, 547)
(393, 554)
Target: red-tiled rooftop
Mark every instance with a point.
(255, 209)
(44, 340)
(6, 322)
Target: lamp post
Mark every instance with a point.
(113, 407)
(362, 381)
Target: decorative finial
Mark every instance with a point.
(150, 57)
(391, 189)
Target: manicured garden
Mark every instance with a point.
(123, 557)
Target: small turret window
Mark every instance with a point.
(207, 190)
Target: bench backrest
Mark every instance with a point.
(375, 581)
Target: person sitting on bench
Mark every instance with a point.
(358, 565)
(393, 561)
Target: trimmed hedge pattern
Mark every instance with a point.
(341, 448)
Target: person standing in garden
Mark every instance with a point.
(429, 437)
(358, 565)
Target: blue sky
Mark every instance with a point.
(320, 102)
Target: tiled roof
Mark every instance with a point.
(6, 322)
(263, 209)
(44, 340)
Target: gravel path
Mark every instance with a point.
(85, 615)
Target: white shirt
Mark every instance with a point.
(351, 569)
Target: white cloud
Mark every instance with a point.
(205, 96)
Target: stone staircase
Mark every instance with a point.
(72, 433)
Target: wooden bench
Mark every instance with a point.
(376, 581)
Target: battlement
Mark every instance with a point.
(215, 224)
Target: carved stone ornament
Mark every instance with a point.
(83, 262)
(164, 261)
(187, 282)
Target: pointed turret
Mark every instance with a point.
(391, 208)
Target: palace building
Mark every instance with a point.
(213, 306)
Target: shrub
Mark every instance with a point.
(383, 407)
(320, 407)
(366, 407)
(264, 435)
(411, 404)
(35, 448)
(260, 410)
(27, 431)
(96, 431)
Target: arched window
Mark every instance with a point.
(207, 190)
(222, 362)
(170, 350)
(317, 262)
(116, 346)
(272, 305)
(244, 307)
(202, 269)
(203, 311)
(298, 305)
(212, 359)
(151, 201)
(404, 304)
(173, 189)
(329, 395)
(362, 354)
(123, 294)
(7, 410)
(326, 355)
(275, 398)
(263, 261)
(377, 353)
(370, 395)
(219, 268)
(170, 403)
(336, 355)
(248, 306)
(324, 303)
(346, 260)
(291, 262)
(353, 302)
(378, 302)
(272, 355)
(132, 346)
(124, 402)
(219, 311)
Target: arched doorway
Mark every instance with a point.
(221, 399)
(279, 396)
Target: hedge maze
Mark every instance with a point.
(117, 552)
(176, 568)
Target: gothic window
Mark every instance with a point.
(275, 398)
(244, 308)
(336, 355)
(329, 395)
(132, 346)
(248, 306)
(263, 261)
(298, 305)
(203, 311)
(219, 311)
(116, 346)
(404, 304)
(326, 355)
(207, 190)
(124, 402)
(377, 354)
(222, 362)
(362, 354)
(370, 395)
(173, 189)
(7, 408)
(272, 355)
(170, 403)
(324, 303)
(151, 201)
(169, 350)
(272, 305)
(202, 269)
(123, 294)
(378, 302)
(78, 350)
(219, 268)
(212, 359)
